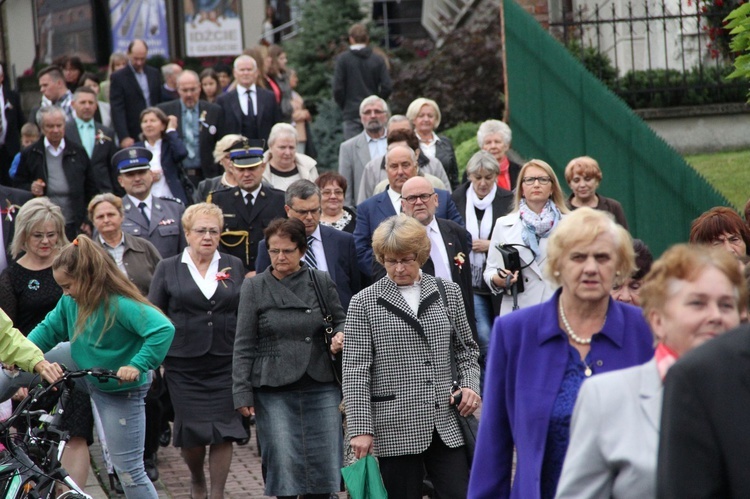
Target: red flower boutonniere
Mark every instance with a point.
(223, 275)
(100, 137)
(459, 260)
(10, 210)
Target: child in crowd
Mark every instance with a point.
(29, 134)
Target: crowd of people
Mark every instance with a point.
(175, 227)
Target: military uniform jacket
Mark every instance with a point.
(397, 372)
(165, 228)
(244, 224)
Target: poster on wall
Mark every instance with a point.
(65, 27)
(212, 28)
(144, 19)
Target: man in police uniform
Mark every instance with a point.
(157, 219)
(249, 207)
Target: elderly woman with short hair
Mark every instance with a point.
(540, 356)
(134, 256)
(494, 136)
(396, 371)
(583, 176)
(425, 116)
(628, 290)
(333, 187)
(721, 226)
(691, 295)
(539, 207)
(199, 290)
(481, 203)
(282, 367)
(284, 164)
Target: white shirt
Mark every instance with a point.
(2, 117)
(207, 284)
(429, 147)
(254, 193)
(317, 249)
(51, 149)
(160, 187)
(395, 199)
(149, 201)
(411, 293)
(377, 147)
(242, 96)
(438, 253)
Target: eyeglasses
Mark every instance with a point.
(376, 112)
(203, 232)
(304, 213)
(329, 193)
(422, 197)
(390, 262)
(531, 180)
(39, 236)
(287, 252)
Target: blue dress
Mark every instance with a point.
(558, 434)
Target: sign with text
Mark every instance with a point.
(144, 19)
(212, 28)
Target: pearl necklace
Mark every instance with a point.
(573, 336)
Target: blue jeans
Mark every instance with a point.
(485, 319)
(59, 354)
(123, 417)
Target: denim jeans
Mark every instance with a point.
(123, 417)
(10, 385)
(485, 319)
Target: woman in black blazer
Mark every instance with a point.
(199, 290)
(159, 134)
(481, 202)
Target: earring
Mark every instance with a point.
(617, 273)
(556, 273)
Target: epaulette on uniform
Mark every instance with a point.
(209, 198)
(170, 198)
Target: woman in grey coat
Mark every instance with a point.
(282, 369)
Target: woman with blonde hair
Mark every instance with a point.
(425, 117)
(221, 157)
(117, 60)
(111, 325)
(539, 208)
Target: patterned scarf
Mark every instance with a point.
(665, 358)
(478, 231)
(536, 226)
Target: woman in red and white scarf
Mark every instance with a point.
(691, 294)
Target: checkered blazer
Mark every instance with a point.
(397, 372)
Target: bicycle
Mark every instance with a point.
(30, 466)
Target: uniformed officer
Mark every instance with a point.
(157, 219)
(249, 207)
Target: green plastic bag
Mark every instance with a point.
(363, 480)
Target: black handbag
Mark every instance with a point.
(328, 334)
(469, 425)
(512, 261)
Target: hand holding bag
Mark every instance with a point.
(469, 425)
(328, 334)
(363, 479)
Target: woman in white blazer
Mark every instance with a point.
(539, 207)
(692, 294)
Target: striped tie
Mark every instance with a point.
(309, 255)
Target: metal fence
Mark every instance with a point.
(652, 53)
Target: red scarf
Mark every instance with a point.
(503, 180)
(665, 358)
(275, 88)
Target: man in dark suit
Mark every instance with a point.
(704, 445)
(157, 219)
(401, 165)
(95, 138)
(131, 90)
(449, 250)
(249, 207)
(249, 110)
(11, 201)
(11, 121)
(328, 249)
(198, 126)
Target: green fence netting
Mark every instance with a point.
(558, 110)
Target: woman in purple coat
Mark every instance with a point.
(539, 356)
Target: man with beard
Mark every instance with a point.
(356, 152)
